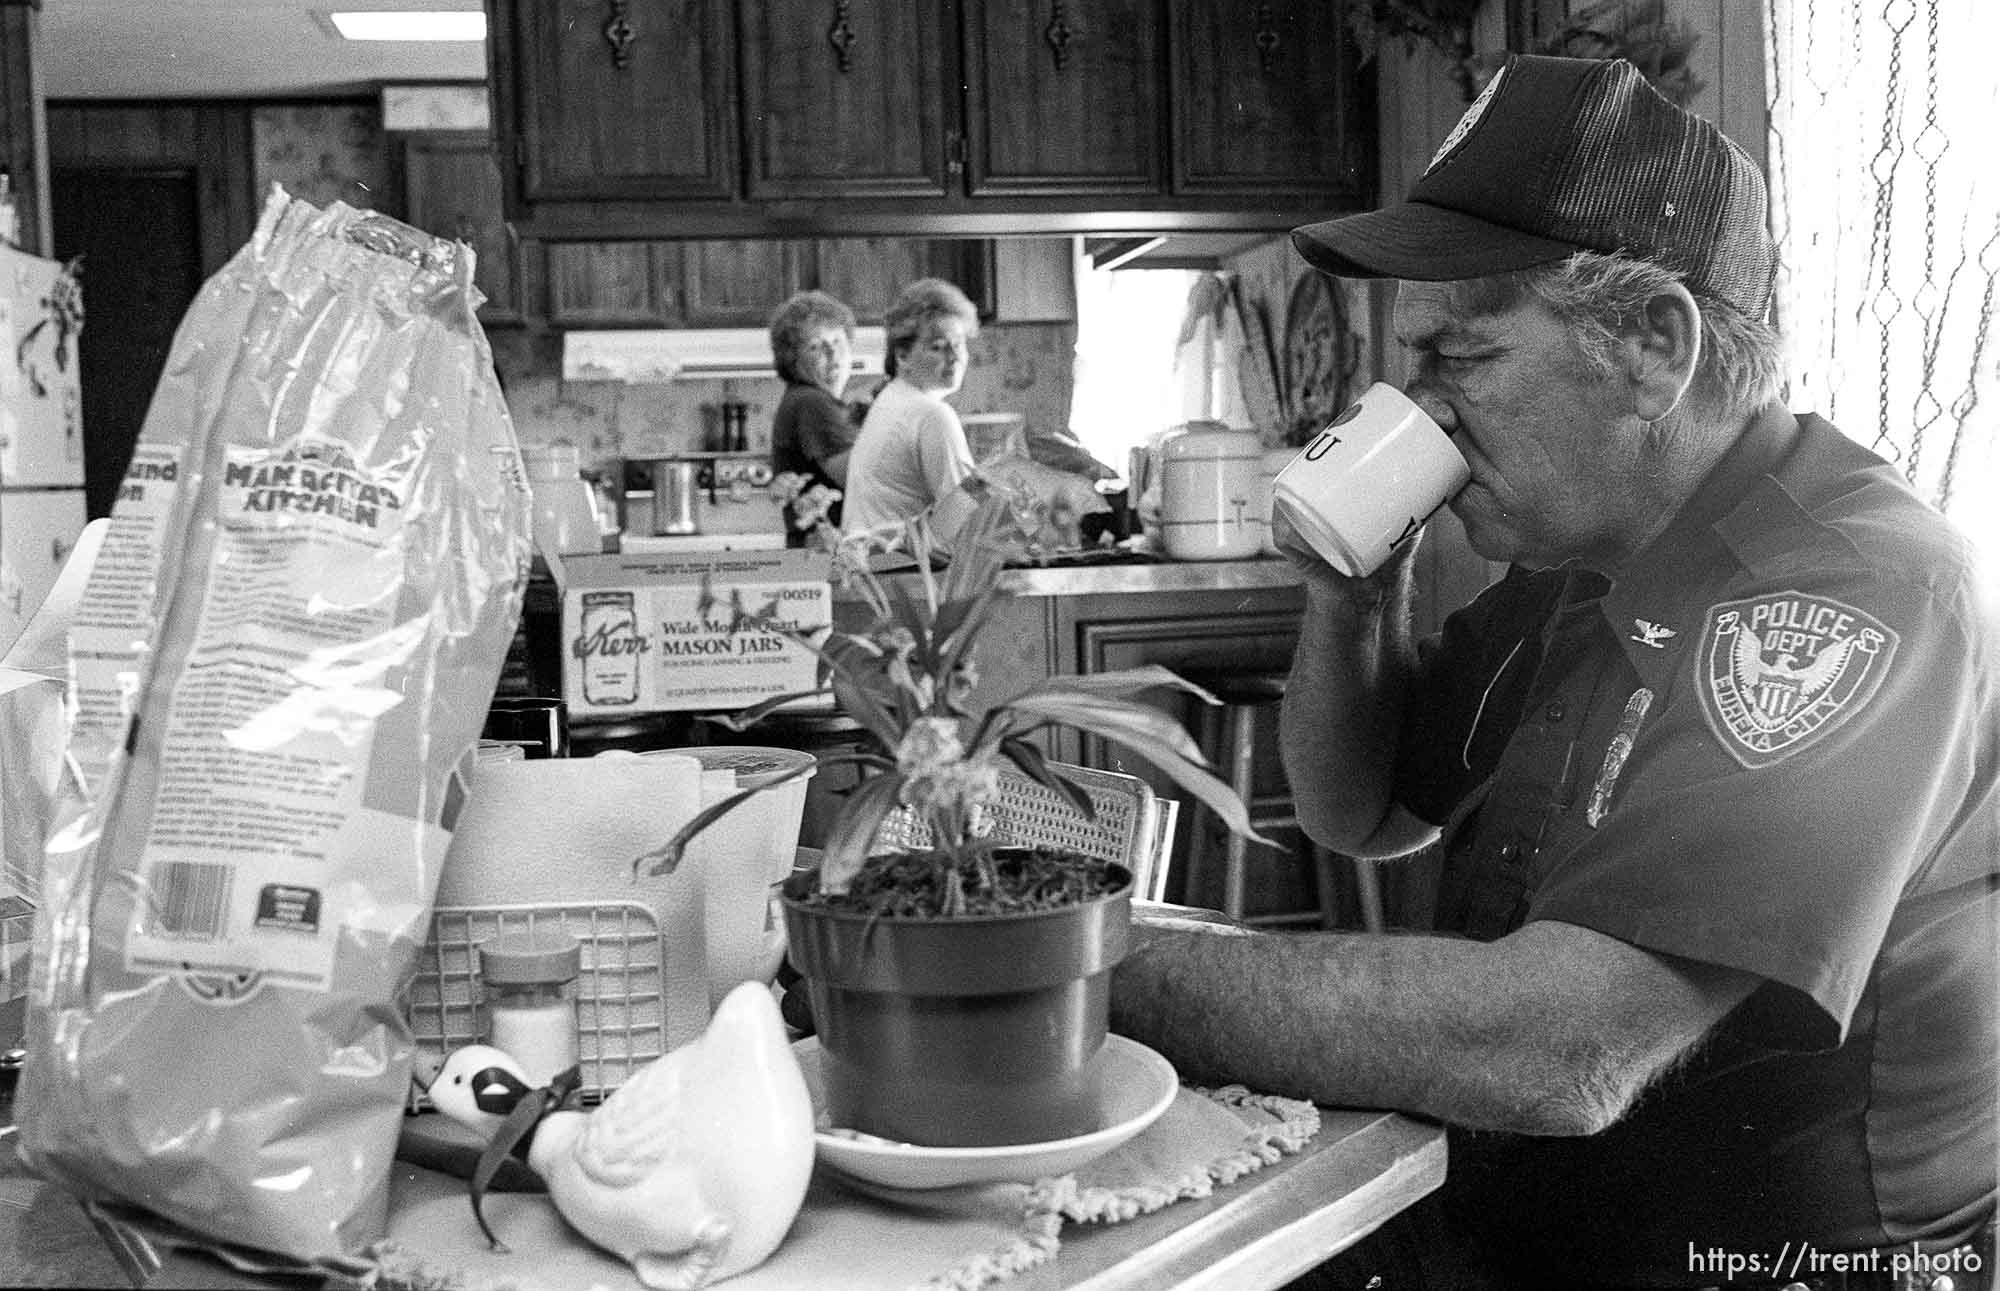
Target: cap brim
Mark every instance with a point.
(1421, 242)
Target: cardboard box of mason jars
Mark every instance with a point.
(651, 633)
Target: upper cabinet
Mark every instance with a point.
(1265, 102)
(848, 98)
(872, 118)
(617, 99)
(1062, 98)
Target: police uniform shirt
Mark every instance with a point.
(1771, 746)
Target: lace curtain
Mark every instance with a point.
(1886, 203)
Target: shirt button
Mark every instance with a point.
(1555, 711)
(1510, 851)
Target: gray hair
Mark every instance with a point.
(795, 324)
(1741, 367)
(924, 301)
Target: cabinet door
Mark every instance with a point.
(848, 98)
(1266, 100)
(613, 284)
(737, 283)
(614, 99)
(1063, 97)
(868, 272)
(451, 188)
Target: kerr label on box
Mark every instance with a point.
(636, 639)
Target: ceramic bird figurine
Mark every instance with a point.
(691, 1171)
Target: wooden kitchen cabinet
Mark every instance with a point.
(1267, 100)
(790, 119)
(737, 283)
(848, 98)
(451, 188)
(868, 272)
(613, 284)
(1063, 98)
(617, 99)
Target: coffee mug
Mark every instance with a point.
(1365, 485)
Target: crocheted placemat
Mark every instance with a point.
(852, 1235)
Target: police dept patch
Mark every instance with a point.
(1779, 671)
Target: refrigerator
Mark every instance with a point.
(41, 431)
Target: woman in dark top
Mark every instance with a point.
(812, 346)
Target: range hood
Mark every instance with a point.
(691, 354)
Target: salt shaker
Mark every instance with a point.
(530, 980)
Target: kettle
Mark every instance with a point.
(676, 504)
(1209, 503)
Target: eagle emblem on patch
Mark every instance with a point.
(1782, 670)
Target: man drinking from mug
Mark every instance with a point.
(1712, 769)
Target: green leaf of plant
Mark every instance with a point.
(859, 703)
(1033, 765)
(744, 719)
(1126, 721)
(853, 833)
(1122, 683)
(664, 858)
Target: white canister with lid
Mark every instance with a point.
(1209, 480)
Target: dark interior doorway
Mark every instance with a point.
(139, 233)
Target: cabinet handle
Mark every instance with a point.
(1058, 34)
(1267, 39)
(619, 33)
(841, 36)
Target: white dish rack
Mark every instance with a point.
(621, 1007)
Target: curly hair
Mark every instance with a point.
(922, 302)
(795, 323)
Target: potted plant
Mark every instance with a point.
(959, 992)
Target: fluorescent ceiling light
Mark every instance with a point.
(410, 24)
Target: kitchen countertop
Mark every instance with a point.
(1151, 576)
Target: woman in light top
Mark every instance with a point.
(812, 347)
(912, 454)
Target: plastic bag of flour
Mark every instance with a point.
(283, 653)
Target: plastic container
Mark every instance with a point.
(743, 855)
(530, 980)
(566, 518)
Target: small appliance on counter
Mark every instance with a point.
(1209, 484)
(702, 495)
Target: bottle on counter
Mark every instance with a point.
(530, 981)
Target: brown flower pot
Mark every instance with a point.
(959, 1032)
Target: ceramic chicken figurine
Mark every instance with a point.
(691, 1171)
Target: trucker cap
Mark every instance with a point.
(1559, 155)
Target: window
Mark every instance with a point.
(1887, 210)
(1128, 385)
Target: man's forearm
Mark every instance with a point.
(1552, 1031)
(1344, 705)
